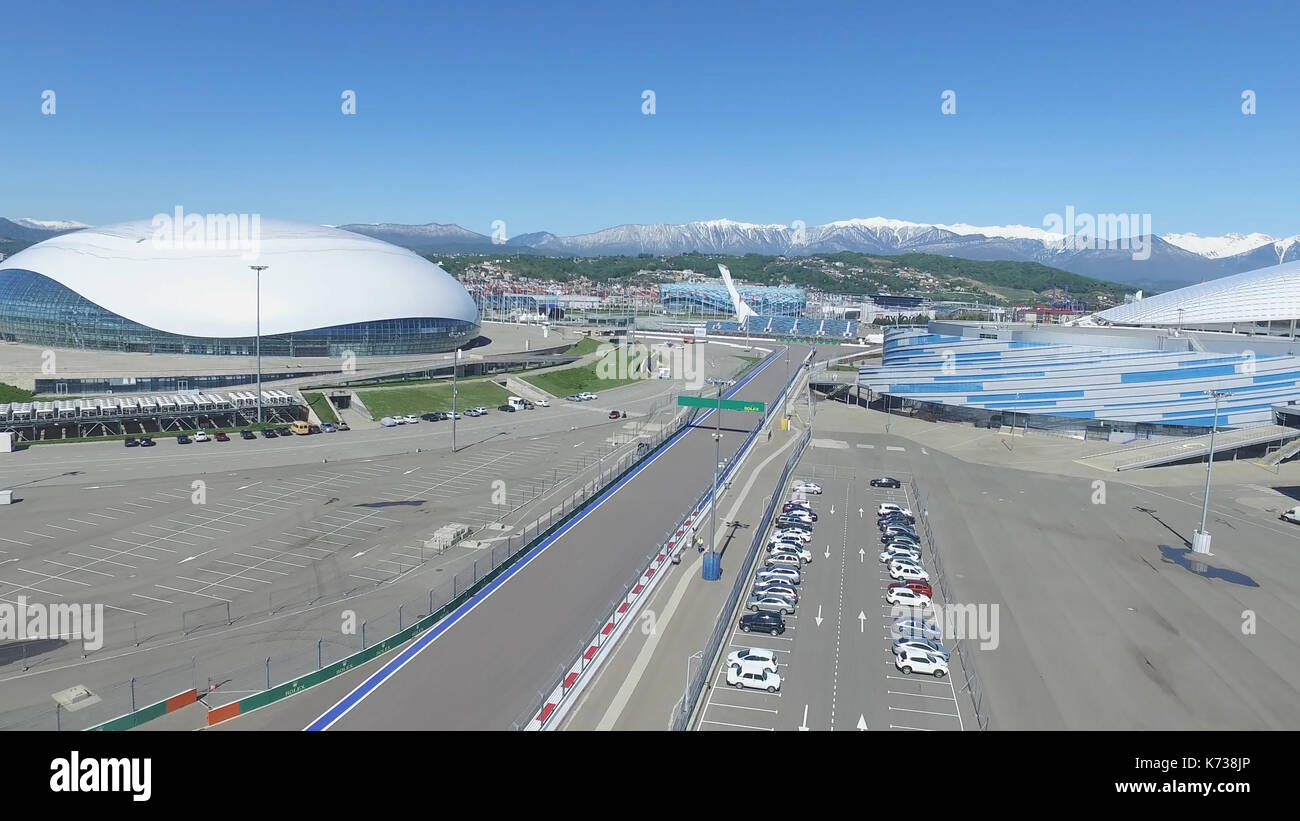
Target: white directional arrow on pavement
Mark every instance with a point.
(859, 513)
(862, 621)
(818, 619)
(362, 553)
(832, 510)
(804, 726)
(862, 554)
(862, 722)
(828, 551)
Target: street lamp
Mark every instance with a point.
(1200, 538)
(259, 269)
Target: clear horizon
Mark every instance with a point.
(535, 116)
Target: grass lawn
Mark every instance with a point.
(584, 347)
(324, 410)
(426, 399)
(8, 393)
(594, 377)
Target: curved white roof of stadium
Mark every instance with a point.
(317, 277)
(1254, 296)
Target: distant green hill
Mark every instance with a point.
(938, 277)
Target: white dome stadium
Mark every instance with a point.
(1264, 295)
(185, 285)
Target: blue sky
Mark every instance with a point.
(765, 112)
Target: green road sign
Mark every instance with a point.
(727, 404)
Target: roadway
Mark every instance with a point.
(485, 667)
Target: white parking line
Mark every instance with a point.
(103, 561)
(151, 598)
(60, 527)
(204, 595)
(741, 726)
(917, 695)
(918, 729)
(14, 541)
(34, 533)
(78, 567)
(924, 712)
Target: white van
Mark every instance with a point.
(1292, 516)
(516, 402)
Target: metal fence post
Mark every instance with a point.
(399, 617)
(430, 601)
(363, 635)
(319, 642)
(133, 694)
(268, 672)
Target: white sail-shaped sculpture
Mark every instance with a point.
(743, 311)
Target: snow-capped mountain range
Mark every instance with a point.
(1173, 259)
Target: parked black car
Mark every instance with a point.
(886, 481)
(247, 434)
(313, 428)
(147, 442)
(268, 433)
(763, 622)
(283, 432)
(182, 439)
(431, 417)
(130, 442)
(507, 408)
(785, 521)
(895, 519)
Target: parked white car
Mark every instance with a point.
(587, 396)
(388, 422)
(754, 677)
(906, 596)
(890, 554)
(915, 661)
(781, 547)
(801, 486)
(200, 436)
(750, 656)
(542, 403)
(412, 419)
(783, 560)
(785, 573)
(890, 507)
(800, 536)
(907, 573)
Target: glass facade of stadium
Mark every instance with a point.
(35, 309)
(710, 299)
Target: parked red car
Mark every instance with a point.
(916, 587)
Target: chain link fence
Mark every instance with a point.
(972, 683)
(228, 671)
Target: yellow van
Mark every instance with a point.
(300, 428)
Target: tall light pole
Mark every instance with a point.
(455, 366)
(717, 461)
(1201, 539)
(259, 269)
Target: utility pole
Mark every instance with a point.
(259, 269)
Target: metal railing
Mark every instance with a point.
(972, 683)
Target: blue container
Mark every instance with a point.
(712, 566)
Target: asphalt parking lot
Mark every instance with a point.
(834, 658)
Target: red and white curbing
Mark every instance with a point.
(575, 679)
